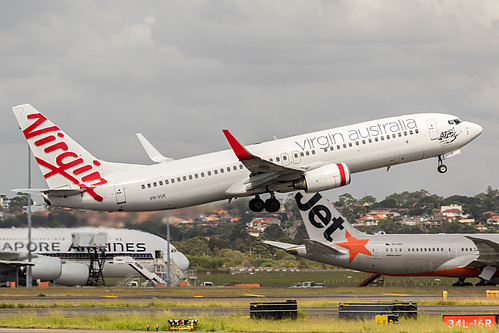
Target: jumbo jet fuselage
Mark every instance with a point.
(313, 162)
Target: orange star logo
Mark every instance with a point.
(354, 246)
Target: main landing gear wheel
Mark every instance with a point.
(461, 283)
(272, 205)
(441, 167)
(256, 204)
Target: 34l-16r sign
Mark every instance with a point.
(470, 321)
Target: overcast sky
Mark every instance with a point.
(181, 71)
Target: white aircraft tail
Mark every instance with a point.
(323, 221)
(64, 163)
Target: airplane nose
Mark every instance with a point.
(475, 130)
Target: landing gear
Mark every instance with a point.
(256, 204)
(461, 283)
(484, 283)
(441, 167)
(271, 205)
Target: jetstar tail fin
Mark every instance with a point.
(323, 221)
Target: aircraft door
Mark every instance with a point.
(375, 251)
(119, 190)
(452, 250)
(432, 128)
(296, 157)
(285, 159)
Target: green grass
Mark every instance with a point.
(230, 323)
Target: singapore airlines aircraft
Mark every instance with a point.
(312, 162)
(56, 258)
(333, 240)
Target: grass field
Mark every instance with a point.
(328, 277)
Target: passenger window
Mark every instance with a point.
(400, 134)
(160, 183)
(277, 159)
(234, 167)
(344, 145)
(178, 179)
(338, 147)
(209, 173)
(370, 140)
(284, 158)
(307, 153)
(149, 185)
(271, 159)
(313, 152)
(202, 174)
(301, 154)
(416, 131)
(296, 155)
(185, 178)
(376, 139)
(190, 177)
(196, 175)
(221, 170)
(357, 143)
(350, 144)
(382, 138)
(331, 148)
(166, 181)
(394, 136)
(216, 172)
(143, 186)
(173, 180)
(240, 166)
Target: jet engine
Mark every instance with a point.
(324, 178)
(73, 274)
(61, 271)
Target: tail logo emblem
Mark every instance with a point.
(66, 159)
(320, 212)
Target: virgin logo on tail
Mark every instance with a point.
(52, 139)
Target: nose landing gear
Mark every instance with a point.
(441, 167)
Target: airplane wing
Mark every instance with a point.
(489, 251)
(262, 172)
(10, 260)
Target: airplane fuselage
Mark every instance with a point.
(449, 255)
(220, 175)
(58, 242)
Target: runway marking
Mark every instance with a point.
(198, 296)
(253, 295)
(110, 296)
(397, 294)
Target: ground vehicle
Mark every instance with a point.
(307, 284)
(207, 284)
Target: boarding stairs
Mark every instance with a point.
(158, 277)
(373, 280)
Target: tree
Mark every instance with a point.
(273, 232)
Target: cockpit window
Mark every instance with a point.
(455, 121)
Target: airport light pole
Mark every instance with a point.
(29, 278)
(168, 271)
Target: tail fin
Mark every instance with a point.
(323, 221)
(63, 162)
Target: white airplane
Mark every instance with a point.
(56, 258)
(333, 240)
(312, 162)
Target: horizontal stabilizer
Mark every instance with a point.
(280, 245)
(318, 247)
(62, 192)
(151, 151)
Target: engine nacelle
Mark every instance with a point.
(46, 268)
(73, 274)
(324, 178)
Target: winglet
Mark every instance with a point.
(241, 152)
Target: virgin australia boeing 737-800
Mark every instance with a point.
(311, 162)
(333, 240)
